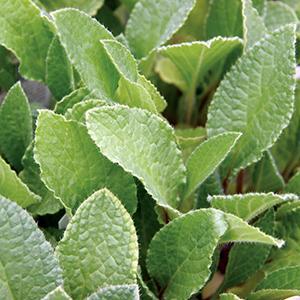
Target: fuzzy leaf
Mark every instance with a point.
(237, 104)
(28, 267)
(279, 14)
(57, 294)
(246, 206)
(293, 185)
(29, 44)
(192, 239)
(206, 158)
(274, 294)
(117, 292)
(59, 71)
(285, 278)
(123, 135)
(12, 188)
(192, 61)
(159, 20)
(16, 126)
(229, 296)
(72, 166)
(99, 242)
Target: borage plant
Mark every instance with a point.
(101, 198)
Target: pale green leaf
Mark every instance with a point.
(293, 185)
(193, 60)
(57, 294)
(144, 145)
(16, 126)
(31, 176)
(90, 7)
(206, 158)
(265, 176)
(72, 166)
(11, 187)
(254, 27)
(260, 6)
(29, 44)
(28, 267)
(279, 14)
(229, 296)
(192, 239)
(152, 23)
(249, 98)
(274, 294)
(245, 259)
(59, 71)
(117, 292)
(245, 206)
(70, 100)
(224, 19)
(285, 278)
(99, 247)
(90, 59)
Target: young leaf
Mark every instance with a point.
(99, 242)
(90, 7)
(192, 61)
(16, 126)
(144, 145)
(266, 177)
(153, 23)
(237, 104)
(117, 292)
(31, 176)
(285, 278)
(254, 27)
(279, 14)
(246, 206)
(90, 59)
(206, 158)
(13, 188)
(192, 238)
(29, 38)
(72, 166)
(57, 294)
(224, 19)
(29, 268)
(59, 71)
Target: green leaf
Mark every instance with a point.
(279, 14)
(266, 177)
(285, 278)
(190, 62)
(245, 259)
(16, 126)
(245, 206)
(31, 176)
(72, 166)
(91, 61)
(275, 294)
(57, 294)
(229, 296)
(70, 100)
(12, 188)
(293, 185)
(59, 71)
(237, 104)
(206, 158)
(78, 111)
(28, 266)
(117, 292)
(29, 44)
(260, 6)
(254, 27)
(224, 19)
(90, 7)
(123, 134)
(151, 24)
(192, 239)
(99, 242)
